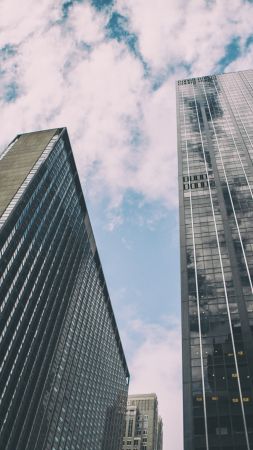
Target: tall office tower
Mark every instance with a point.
(131, 440)
(141, 422)
(63, 374)
(215, 143)
(160, 434)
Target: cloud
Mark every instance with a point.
(19, 21)
(194, 32)
(70, 73)
(153, 351)
(84, 25)
(156, 367)
(156, 177)
(107, 70)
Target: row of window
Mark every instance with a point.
(198, 185)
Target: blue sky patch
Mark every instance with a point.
(67, 5)
(136, 136)
(159, 80)
(7, 52)
(10, 92)
(137, 257)
(232, 52)
(117, 29)
(84, 46)
(135, 133)
(101, 4)
(249, 41)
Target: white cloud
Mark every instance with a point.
(156, 177)
(123, 132)
(194, 32)
(97, 94)
(155, 366)
(155, 363)
(86, 24)
(20, 20)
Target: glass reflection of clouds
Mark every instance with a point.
(216, 207)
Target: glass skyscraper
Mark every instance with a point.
(215, 146)
(63, 374)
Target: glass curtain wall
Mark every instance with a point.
(215, 147)
(63, 374)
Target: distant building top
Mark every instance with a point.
(152, 395)
(205, 78)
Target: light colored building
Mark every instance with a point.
(142, 423)
(131, 441)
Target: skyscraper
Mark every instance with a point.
(141, 430)
(215, 146)
(63, 374)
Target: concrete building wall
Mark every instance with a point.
(144, 410)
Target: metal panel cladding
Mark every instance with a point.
(215, 148)
(63, 374)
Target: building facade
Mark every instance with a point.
(215, 147)
(160, 434)
(63, 374)
(131, 440)
(141, 430)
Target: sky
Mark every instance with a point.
(106, 69)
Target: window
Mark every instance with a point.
(221, 431)
(130, 428)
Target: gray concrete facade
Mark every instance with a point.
(142, 423)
